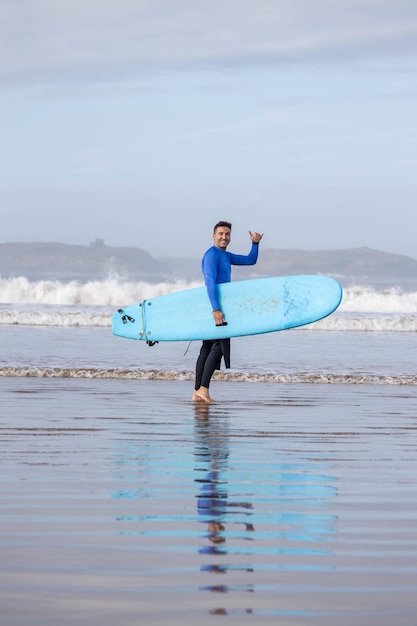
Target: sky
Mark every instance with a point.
(144, 122)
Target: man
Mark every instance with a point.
(216, 267)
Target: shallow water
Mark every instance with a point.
(290, 356)
(122, 502)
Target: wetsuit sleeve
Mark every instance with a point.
(209, 267)
(242, 259)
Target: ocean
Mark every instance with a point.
(292, 499)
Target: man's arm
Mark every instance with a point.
(252, 257)
(209, 267)
(210, 272)
(211, 277)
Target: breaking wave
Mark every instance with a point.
(113, 292)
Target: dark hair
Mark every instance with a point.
(219, 224)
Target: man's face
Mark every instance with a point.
(221, 237)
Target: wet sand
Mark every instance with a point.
(124, 503)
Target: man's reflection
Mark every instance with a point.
(213, 503)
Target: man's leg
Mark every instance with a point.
(212, 364)
(208, 361)
(199, 368)
(201, 361)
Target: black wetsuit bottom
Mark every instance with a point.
(209, 360)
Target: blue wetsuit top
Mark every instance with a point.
(217, 268)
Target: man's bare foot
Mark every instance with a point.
(201, 395)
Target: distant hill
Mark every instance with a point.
(57, 260)
(361, 262)
(64, 261)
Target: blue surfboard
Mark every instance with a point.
(250, 307)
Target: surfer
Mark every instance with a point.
(216, 266)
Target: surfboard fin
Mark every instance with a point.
(126, 317)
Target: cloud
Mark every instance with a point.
(103, 40)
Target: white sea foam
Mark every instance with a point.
(156, 374)
(110, 292)
(50, 316)
(367, 299)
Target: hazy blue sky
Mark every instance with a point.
(143, 122)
